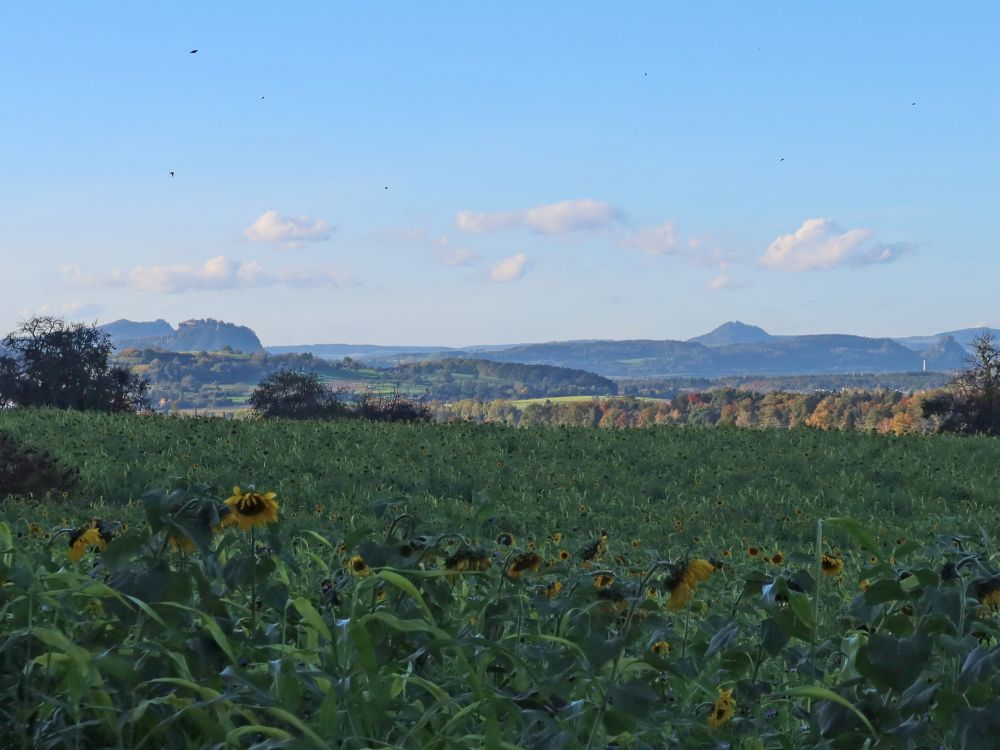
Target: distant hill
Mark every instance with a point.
(733, 332)
(125, 330)
(946, 354)
(963, 337)
(785, 355)
(208, 335)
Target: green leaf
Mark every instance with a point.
(312, 618)
(820, 693)
(55, 639)
(406, 586)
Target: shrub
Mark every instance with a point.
(27, 472)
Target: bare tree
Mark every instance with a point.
(972, 403)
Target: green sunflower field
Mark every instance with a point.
(195, 583)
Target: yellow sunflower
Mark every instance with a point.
(660, 648)
(81, 539)
(684, 581)
(250, 509)
(831, 566)
(357, 566)
(723, 708)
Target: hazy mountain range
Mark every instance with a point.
(733, 348)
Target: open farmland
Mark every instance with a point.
(463, 586)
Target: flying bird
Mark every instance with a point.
(192, 52)
(782, 158)
(171, 174)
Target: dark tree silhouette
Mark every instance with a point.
(972, 402)
(295, 395)
(50, 362)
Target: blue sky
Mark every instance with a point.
(554, 170)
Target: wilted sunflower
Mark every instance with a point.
(595, 550)
(723, 708)
(603, 580)
(357, 566)
(83, 538)
(682, 583)
(553, 589)
(660, 648)
(467, 559)
(181, 543)
(556, 538)
(529, 561)
(250, 509)
(506, 539)
(831, 566)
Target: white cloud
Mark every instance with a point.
(658, 240)
(553, 218)
(460, 256)
(287, 231)
(721, 283)
(820, 244)
(509, 269)
(216, 273)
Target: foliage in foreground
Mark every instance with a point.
(210, 625)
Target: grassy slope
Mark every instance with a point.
(772, 484)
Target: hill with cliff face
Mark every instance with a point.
(205, 335)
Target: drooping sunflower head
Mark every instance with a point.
(556, 538)
(250, 509)
(603, 580)
(529, 561)
(180, 543)
(831, 566)
(553, 589)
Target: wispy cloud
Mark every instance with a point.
(553, 218)
(509, 269)
(288, 232)
(821, 244)
(459, 256)
(723, 283)
(214, 274)
(658, 240)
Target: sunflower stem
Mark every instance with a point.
(253, 579)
